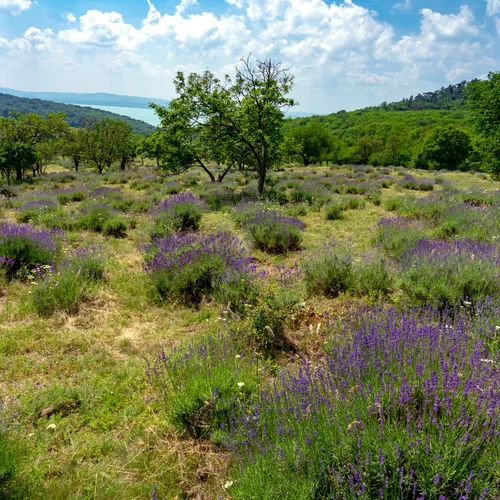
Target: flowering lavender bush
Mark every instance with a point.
(397, 234)
(102, 218)
(403, 408)
(192, 266)
(410, 182)
(274, 233)
(23, 247)
(202, 386)
(179, 212)
(243, 212)
(445, 273)
(31, 211)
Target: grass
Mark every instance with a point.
(75, 383)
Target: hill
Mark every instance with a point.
(75, 115)
(97, 99)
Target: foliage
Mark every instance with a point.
(274, 233)
(105, 142)
(330, 272)
(446, 148)
(396, 392)
(204, 385)
(102, 218)
(23, 247)
(445, 274)
(190, 267)
(483, 98)
(179, 212)
(236, 123)
(16, 157)
(310, 142)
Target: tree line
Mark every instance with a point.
(239, 123)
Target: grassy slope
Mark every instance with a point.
(88, 371)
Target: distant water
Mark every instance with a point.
(146, 115)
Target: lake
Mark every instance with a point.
(146, 115)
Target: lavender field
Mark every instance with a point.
(166, 337)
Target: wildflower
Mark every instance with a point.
(228, 484)
(240, 384)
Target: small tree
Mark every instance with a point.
(310, 142)
(364, 147)
(447, 147)
(16, 157)
(230, 122)
(72, 146)
(105, 142)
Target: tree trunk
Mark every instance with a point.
(19, 173)
(123, 163)
(76, 161)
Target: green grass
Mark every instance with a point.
(75, 383)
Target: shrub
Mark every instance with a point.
(64, 285)
(399, 409)
(191, 266)
(353, 203)
(445, 274)
(102, 218)
(203, 386)
(298, 210)
(32, 210)
(396, 235)
(371, 277)
(270, 317)
(179, 212)
(275, 233)
(409, 182)
(245, 211)
(328, 273)
(394, 204)
(334, 210)
(24, 247)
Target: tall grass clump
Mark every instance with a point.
(447, 273)
(203, 385)
(401, 408)
(22, 247)
(396, 235)
(274, 233)
(179, 212)
(190, 267)
(329, 272)
(64, 285)
(102, 218)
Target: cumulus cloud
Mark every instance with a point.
(493, 7)
(71, 18)
(15, 6)
(341, 46)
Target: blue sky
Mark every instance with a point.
(345, 54)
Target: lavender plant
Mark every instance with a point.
(22, 247)
(447, 273)
(204, 385)
(179, 212)
(274, 233)
(190, 266)
(404, 407)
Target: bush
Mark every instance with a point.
(190, 266)
(299, 210)
(399, 409)
(22, 247)
(62, 287)
(396, 235)
(371, 278)
(102, 218)
(31, 211)
(270, 317)
(115, 226)
(204, 385)
(275, 233)
(180, 212)
(334, 210)
(328, 273)
(445, 274)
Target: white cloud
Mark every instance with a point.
(406, 5)
(342, 54)
(493, 7)
(71, 18)
(15, 6)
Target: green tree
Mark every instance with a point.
(365, 147)
(483, 99)
(231, 122)
(105, 142)
(447, 147)
(72, 146)
(155, 147)
(310, 142)
(35, 131)
(16, 157)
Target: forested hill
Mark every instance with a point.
(96, 99)
(451, 97)
(75, 115)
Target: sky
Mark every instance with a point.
(344, 54)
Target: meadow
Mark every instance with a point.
(169, 337)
